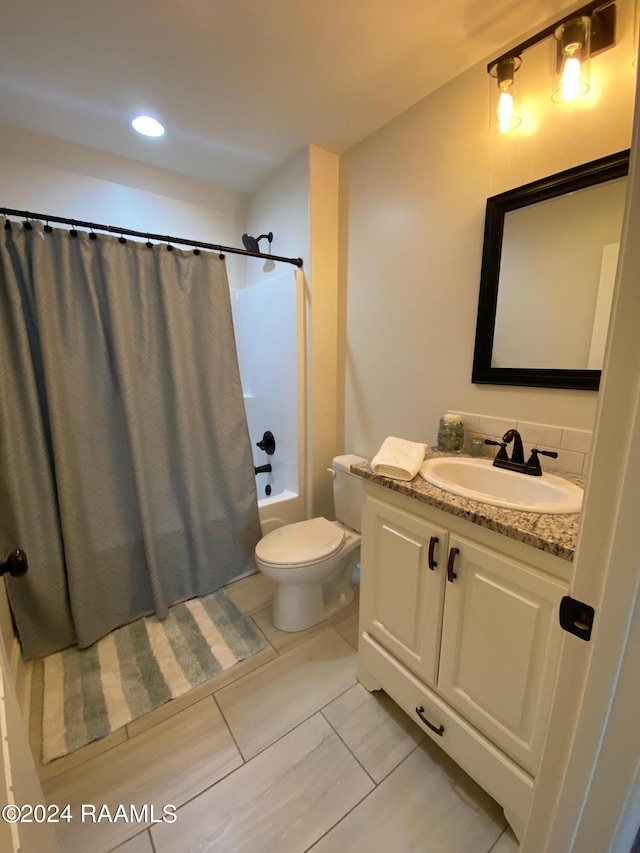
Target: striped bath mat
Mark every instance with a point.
(91, 692)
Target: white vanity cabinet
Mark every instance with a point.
(460, 626)
(500, 647)
(403, 592)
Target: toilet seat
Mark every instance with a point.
(304, 542)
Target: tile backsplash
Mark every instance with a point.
(573, 446)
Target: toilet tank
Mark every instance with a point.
(348, 491)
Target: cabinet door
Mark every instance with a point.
(500, 648)
(401, 595)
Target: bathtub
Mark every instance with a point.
(278, 510)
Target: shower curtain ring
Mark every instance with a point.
(169, 246)
(72, 231)
(27, 225)
(122, 238)
(92, 234)
(148, 244)
(47, 227)
(196, 250)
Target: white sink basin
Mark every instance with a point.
(478, 479)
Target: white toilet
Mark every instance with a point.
(312, 561)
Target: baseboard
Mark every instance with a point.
(21, 672)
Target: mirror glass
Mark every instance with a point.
(548, 270)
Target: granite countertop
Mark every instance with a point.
(555, 534)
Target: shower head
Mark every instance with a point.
(251, 244)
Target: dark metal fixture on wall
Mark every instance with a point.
(196, 245)
(268, 443)
(251, 244)
(603, 22)
(585, 32)
(16, 564)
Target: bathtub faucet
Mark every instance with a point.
(263, 469)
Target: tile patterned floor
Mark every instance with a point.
(283, 753)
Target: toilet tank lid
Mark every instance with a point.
(344, 463)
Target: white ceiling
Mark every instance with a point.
(241, 85)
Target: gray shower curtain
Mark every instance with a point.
(126, 471)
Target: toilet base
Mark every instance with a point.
(300, 606)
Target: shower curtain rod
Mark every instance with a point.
(195, 244)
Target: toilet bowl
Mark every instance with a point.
(312, 562)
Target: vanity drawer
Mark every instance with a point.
(498, 775)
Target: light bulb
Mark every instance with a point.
(570, 82)
(505, 111)
(572, 50)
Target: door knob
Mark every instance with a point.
(16, 564)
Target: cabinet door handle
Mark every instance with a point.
(432, 547)
(439, 730)
(452, 556)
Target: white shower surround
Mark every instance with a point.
(269, 324)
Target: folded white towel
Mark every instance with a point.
(398, 458)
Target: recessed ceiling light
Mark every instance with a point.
(147, 126)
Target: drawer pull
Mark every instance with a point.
(432, 547)
(451, 575)
(439, 730)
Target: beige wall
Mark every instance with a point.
(412, 214)
(323, 385)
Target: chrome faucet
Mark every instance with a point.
(517, 463)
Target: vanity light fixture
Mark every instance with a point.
(582, 34)
(147, 126)
(503, 100)
(571, 78)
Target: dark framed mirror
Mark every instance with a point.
(548, 268)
